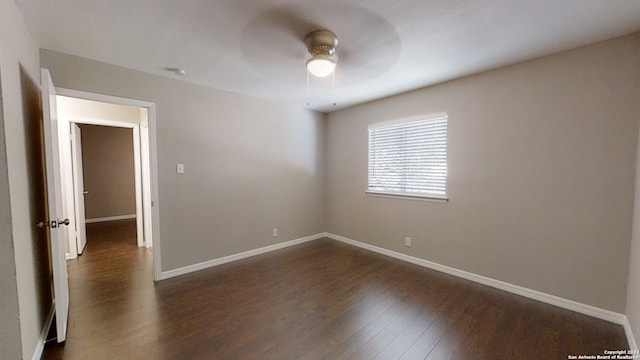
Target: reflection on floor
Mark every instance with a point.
(319, 300)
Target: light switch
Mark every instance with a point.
(180, 168)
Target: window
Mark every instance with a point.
(409, 157)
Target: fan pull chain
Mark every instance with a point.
(333, 87)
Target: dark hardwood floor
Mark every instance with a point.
(318, 300)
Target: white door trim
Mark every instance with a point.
(145, 156)
(141, 237)
(78, 191)
(137, 175)
(147, 172)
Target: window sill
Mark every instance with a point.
(429, 198)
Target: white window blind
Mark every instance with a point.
(409, 157)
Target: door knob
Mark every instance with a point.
(53, 224)
(42, 224)
(85, 192)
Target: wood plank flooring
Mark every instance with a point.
(318, 300)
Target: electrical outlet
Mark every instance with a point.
(407, 241)
(275, 232)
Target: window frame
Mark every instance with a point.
(443, 198)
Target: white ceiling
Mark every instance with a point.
(256, 47)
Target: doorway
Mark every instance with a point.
(104, 182)
(78, 109)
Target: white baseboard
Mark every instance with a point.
(37, 352)
(110, 218)
(585, 309)
(235, 257)
(633, 345)
(592, 311)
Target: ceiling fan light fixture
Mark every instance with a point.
(321, 65)
(321, 45)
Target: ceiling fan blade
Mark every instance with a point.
(273, 42)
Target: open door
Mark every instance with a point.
(54, 197)
(78, 187)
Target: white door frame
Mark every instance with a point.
(78, 191)
(147, 207)
(137, 170)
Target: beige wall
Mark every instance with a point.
(107, 161)
(541, 174)
(9, 315)
(633, 291)
(251, 165)
(17, 49)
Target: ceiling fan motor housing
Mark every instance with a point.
(321, 42)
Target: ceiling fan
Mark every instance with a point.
(281, 41)
(321, 45)
(336, 48)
